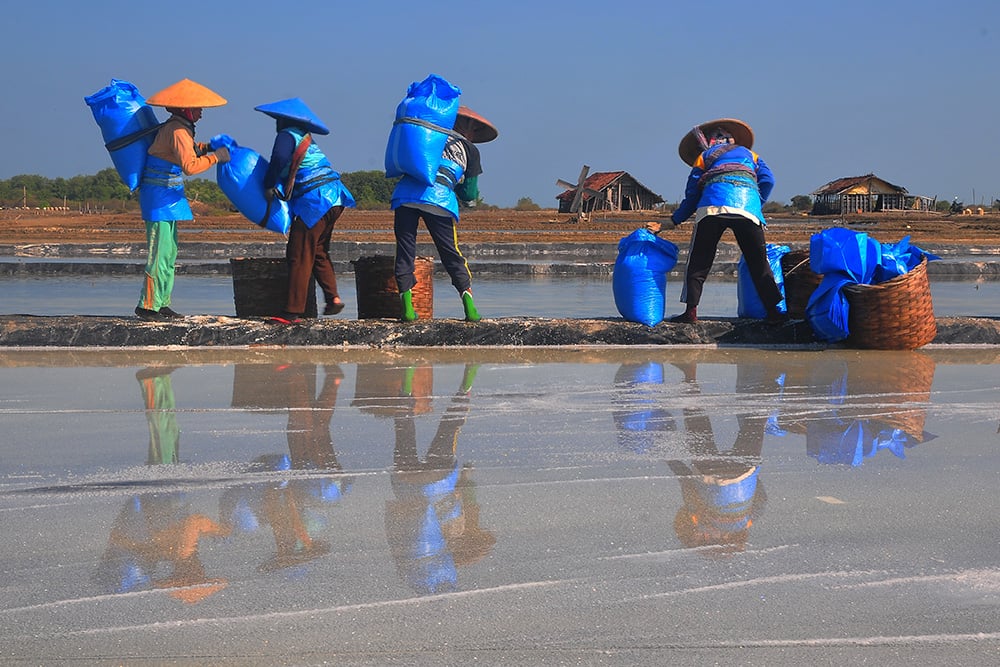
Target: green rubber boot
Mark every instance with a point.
(471, 314)
(406, 299)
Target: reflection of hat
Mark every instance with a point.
(186, 94)
(482, 129)
(193, 594)
(691, 145)
(294, 109)
(719, 516)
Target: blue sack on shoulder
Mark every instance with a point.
(749, 303)
(640, 276)
(242, 180)
(128, 126)
(416, 140)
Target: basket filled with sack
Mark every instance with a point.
(895, 315)
(873, 295)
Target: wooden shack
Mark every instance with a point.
(866, 194)
(617, 191)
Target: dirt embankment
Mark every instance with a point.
(496, 226)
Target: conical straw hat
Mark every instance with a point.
(186, 94)
(482, 129)
(690, 148)
(294, 109)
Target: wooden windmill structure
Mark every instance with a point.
(579, 190)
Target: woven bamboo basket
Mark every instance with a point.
(894, 315)
(378, 296)
(260, 287)
(800, 282)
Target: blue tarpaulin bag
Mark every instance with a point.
(640, 276)
(749, 303)
(423, 122)
(843, 257)
(242, 181)
(128, 126)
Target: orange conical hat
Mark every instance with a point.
(186, 94)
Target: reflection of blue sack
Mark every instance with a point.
(749, 301)
(242, 180)
(128, 126)
(829, 441)
(419, 133)
(640, 276)
(637, 426)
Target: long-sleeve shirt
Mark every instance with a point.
(175, 143)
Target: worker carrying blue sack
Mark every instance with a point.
(300, 173)
(432, 146)
(726, 189)
(173, 154)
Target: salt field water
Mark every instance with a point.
(631, 506)
(497, 296)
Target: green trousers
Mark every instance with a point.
(161, 245)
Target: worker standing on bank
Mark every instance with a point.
(300, 173)
(173, 154)
(437, 205)
(726, 189)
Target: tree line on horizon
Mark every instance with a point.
(104, 190)
(371, 189)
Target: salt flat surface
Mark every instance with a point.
(528, 507)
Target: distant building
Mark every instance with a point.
(866, 194)
(618, 191)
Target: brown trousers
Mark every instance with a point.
(308, 254)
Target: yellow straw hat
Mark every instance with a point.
(186, 94)
(690, 147)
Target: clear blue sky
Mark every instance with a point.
(907, 90)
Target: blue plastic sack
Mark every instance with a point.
(242, 180)
(843, 257)
(748, 301)
(414, 148)
(844, 251)
(898, 259)
(128, 126)
(640, 276)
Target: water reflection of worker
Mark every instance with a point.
(154, 545)
(722, 491)
(154, 540)
(158, 400)
(290, 507)
(432, 525)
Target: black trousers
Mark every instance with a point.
(445, 236)
(704, 244)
